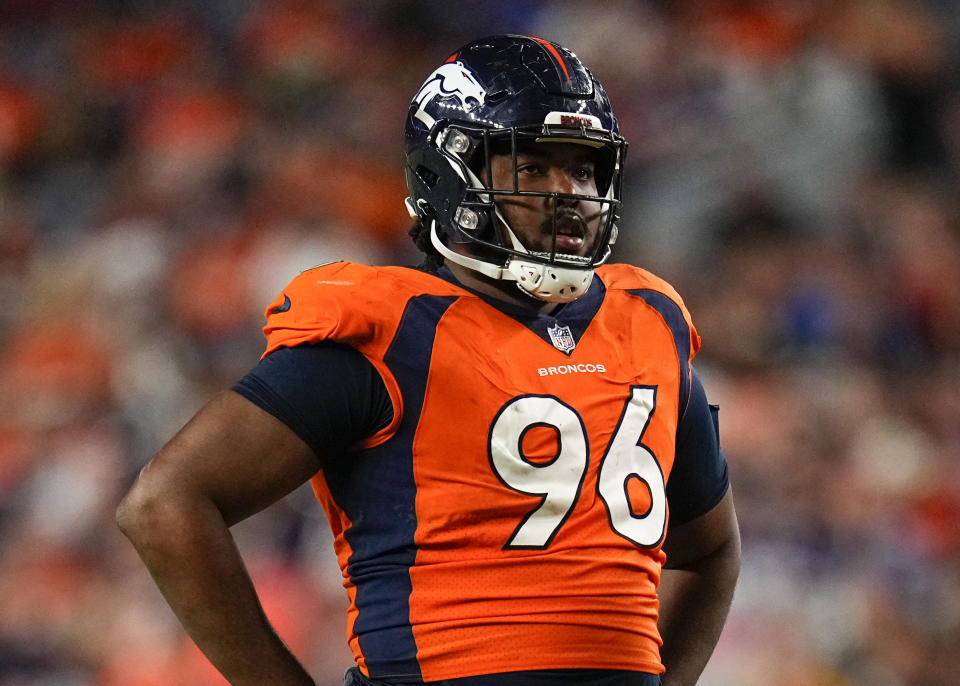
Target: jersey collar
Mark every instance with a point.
(575, 315)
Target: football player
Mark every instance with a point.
(514, 452)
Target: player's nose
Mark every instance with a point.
(562, 181)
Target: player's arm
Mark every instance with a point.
(703, 550)
(231, 460)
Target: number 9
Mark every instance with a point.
(558, 481)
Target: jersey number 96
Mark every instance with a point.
(559, 480)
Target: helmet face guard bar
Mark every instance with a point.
(478, 220)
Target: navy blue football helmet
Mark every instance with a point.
(491, 96)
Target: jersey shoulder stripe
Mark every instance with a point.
(355, 304)
(683, 336)
(664, 299)
(633, 280)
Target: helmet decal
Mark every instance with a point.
(554, 53)
(451, 80)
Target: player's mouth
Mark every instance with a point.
(571, 233)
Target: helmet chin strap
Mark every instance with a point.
(549, 283)
(541, 281)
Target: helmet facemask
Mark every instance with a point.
(545, 272)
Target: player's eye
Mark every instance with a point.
(529, 168)
(584, 172)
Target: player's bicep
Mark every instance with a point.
(234, 454)
(703, 536)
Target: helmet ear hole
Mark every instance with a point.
(427, 176)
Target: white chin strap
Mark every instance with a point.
(542, 281)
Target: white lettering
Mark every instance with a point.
(580, 368)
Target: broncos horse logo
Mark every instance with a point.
(452, 80)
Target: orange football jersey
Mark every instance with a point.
(511, 516)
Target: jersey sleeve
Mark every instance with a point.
(340, 302)
(699, 478)
(327, 393)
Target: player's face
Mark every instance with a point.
(553, 168)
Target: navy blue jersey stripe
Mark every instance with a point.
(673, 316)
(379, 497)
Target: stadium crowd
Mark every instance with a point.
(166, 167)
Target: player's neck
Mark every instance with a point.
(497, 288)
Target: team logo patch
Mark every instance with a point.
(452, 80)
(562, 338)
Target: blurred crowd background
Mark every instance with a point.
(167, 166)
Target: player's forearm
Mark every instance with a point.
(188, 549)
(694, 602)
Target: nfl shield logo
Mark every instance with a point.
(562, 338)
